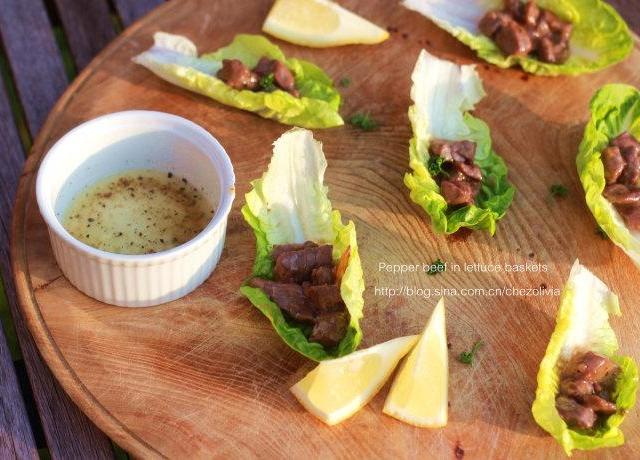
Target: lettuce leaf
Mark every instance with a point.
(583, 324)
(175, 59)
(289, 204)
(614, 109)
(600, 36)
(442, 93)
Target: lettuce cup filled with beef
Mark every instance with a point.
(307, 278)
(252, 74)
(457, 178)
(609, 165)
(544, 37)
(585, 389)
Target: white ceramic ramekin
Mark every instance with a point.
(135, 140)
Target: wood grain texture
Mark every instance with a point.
(16, 438)
(33, 57)
(131, 10)
(207, 376)
(88, 27)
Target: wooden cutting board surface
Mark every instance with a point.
(207, 376)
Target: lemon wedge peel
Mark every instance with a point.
(320, 24)
(419, 394)
(338, 388)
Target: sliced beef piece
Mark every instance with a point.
(613, 164)
(463, 151)
(280, 248)
(550, 52)
(576, 388)
(492, 22)
(599, 405)
(619, 194)
(530, 13)
(514, 7)
(457, 192)
(237, 75)
(560, 30)
(282, 76)
(325, 298)
(513, 39)
(631, 215)
(469, 170)
(289, 297)
(631, 172)
(591, 367)
(626, 141)
(575, 414)
(538, 31)
(330, 328)
(296, 266)
(322, 275)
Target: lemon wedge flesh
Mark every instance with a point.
(320, 23)
(338, 388)
(418, 395)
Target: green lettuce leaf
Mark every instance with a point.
(614, 109)
(582, 324)
(600, 36)
(175, 59)
(443, 93)
(289, 204)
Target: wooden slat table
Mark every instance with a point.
(38, 74)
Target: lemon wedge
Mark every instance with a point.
(338, 388)
(418, 395)
(320, 23)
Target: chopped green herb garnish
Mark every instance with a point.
(601, 233)
(466, 357)
(267, 82)
(558, 191)
(364, 121)
(434, 166)
(437, 266)
(345, 82)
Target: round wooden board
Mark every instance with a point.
(207, 376)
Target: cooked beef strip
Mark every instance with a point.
(280, 248)
(289, 297)
(613, 164)
(526, 29)
(591, 367)
(619, 194)
(599, 405)
(325, 298)
(575, 414)
(296, 266)
(576, 388)
(621, 161)
(457, 193)
(460, 183)
(322, 275)
(330, 328)
(513, 39)
(235, 74)
(585, 381)
(282, 76)
(631, 216)
(308, 290)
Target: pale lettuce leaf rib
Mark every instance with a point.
(600, 36)
(289, 204)
(174, 58)
(582, 324)
(615, 108)
(443, 93)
